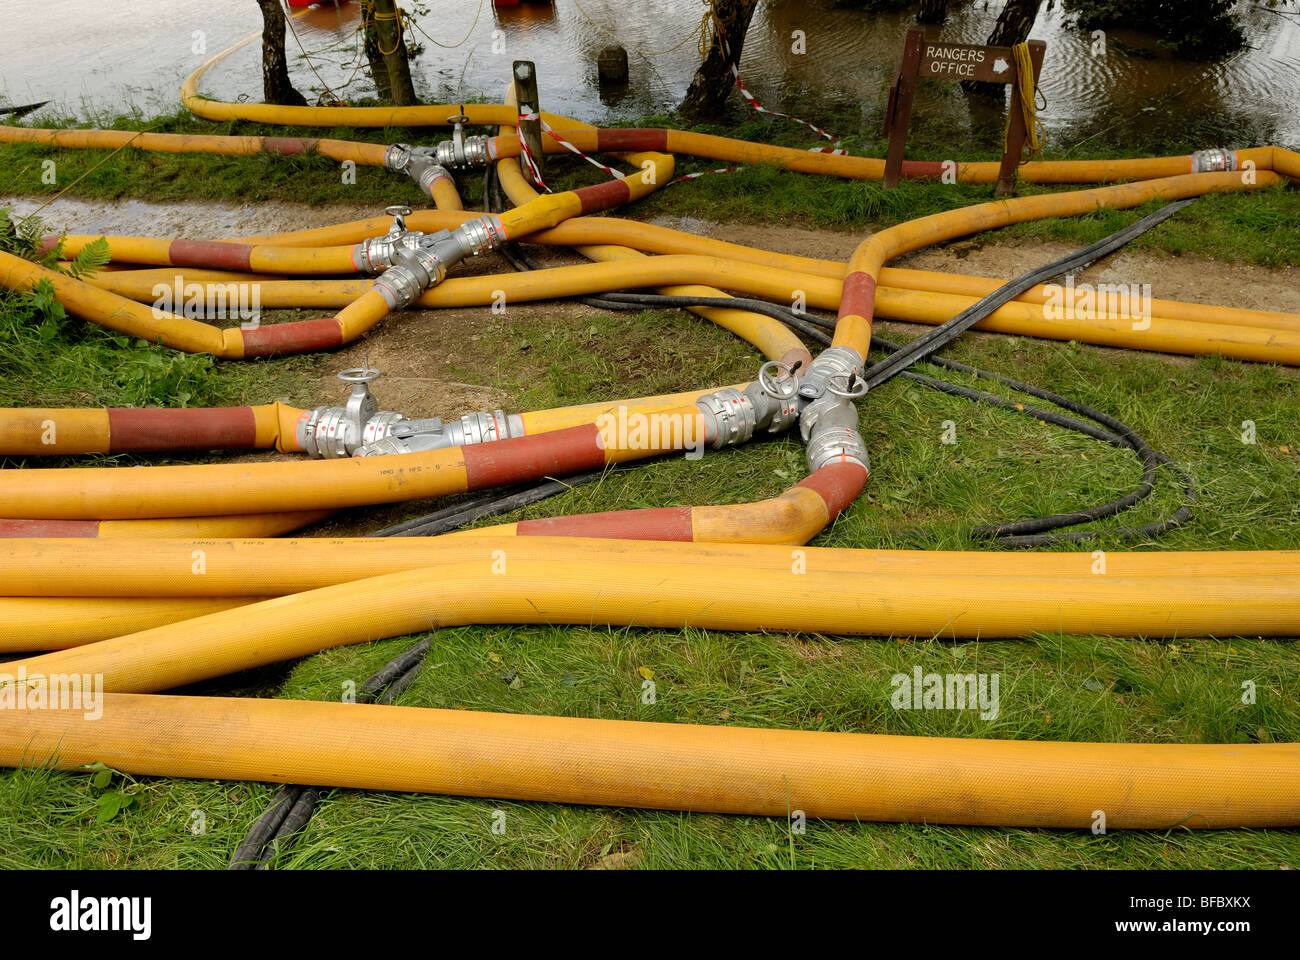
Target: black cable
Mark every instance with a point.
(491, 504)
(293, 804)
(946, 332)
(1020, 533)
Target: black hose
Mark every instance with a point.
(946, 332)
(491, 504)
(292, 805)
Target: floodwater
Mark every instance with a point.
(94, 58)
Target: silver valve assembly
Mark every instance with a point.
(421, 164)
(361, 429)
(415, 436)
(819, 397)
(375, 254)
(336, 432)
(413, 262)
(461, 152)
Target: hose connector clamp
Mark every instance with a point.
(1214, 160)
(729, 417)
(414, 270)
(838, 445)
(480, 234)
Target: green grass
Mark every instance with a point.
(1004, 465)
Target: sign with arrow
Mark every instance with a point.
(934, 59)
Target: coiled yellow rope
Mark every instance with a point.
(1029, 93)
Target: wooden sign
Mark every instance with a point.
(955, 61)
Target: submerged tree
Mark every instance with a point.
(276, 87)
(932, 11)
(1013, 26)
(713, 80)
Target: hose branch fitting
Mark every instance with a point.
(416, 436)
(828, 419)
(420, 263)
(336, 432)
(375, 254)
(770, 403)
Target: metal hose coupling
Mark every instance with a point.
(422, 263)
(462, 152)
(770, 403)
(336, 432)
(415, 436)
(1214, 160)
(375, 254)
(828, 421)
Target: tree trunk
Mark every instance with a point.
(1013, 26)
(388, 34)
(276, 87)
(378, 69)
(713, 81)
(932, 11)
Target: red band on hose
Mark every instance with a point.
(152, 430)
(858, 298)
(632, 139)
(48, 243)
(552, 454)
(660, 523)
(301, 336)
(838, 484)
(49, 528)
(602, 196)
(211, 254)
(288, 146)
(921, 170)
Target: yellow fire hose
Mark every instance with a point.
(672, 766)
(570, 580)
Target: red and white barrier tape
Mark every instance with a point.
(614, 174)
(755, 105)
(702, 173)
(526, 154)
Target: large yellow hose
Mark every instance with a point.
(169, 568)
(563, 580)
(740, 770)
(1261, 336)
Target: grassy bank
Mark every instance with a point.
(1003, 465)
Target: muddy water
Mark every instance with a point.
(93, 57)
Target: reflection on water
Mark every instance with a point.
(96, 57)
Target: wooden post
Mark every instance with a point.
(530, 130)
(898, 113)
(1016, 131)
(388, 32)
